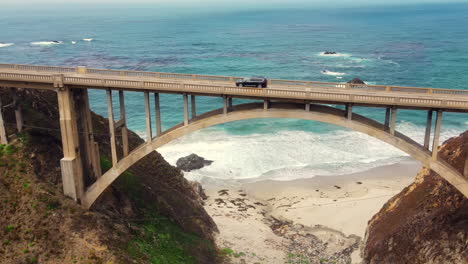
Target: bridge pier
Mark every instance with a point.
(435, 143)
(387, 119)
(427, 136)
(71, 164)
(110, 113)
(393, 114)
(89, 149)
(466, 166)
(157, 108)
(266, 104)
(307, 107)
(229, 104)
(193, 105)
(18, 111)
(123, 120)
(349, 111)
(225, 105)
(149, 133)
(186, 113)
(3, 133)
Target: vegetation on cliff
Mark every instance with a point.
(149, 215)
(427, 222)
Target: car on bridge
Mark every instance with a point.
(257, 81)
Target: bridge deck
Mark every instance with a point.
(44, 77)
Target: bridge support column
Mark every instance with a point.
(393, 120)
(225, 105)
(110, 111)
(149, 133)
(18, 111)
(307, 107)
(349, 111)
(158, 114)
(435, 143)
(71, 164)
(3, 133)
(186, 113)
(89, 149)
(427, 136)
(230, 104)
(387, 119)
(193, 105)
(266, 104)
(123, 118)
(466, 166)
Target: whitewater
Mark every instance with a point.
(280, 44)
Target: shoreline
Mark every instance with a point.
(319, 218)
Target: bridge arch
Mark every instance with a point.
(318, 113)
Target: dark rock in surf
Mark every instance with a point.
(356, 81)
(330, 53)
(192, 162)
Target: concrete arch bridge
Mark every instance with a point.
(282, 99)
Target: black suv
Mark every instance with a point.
(259, 82)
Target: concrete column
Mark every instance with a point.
(393, 116)
(225, 105)
(18, 111)
(158, 114)
(186, 113)
(466, 166)
(91, 162)
(3, 133)
(387, 119)
(71, 164)
(349, 111)
(266, 104)
(230, 104)
(427, 136)
(149, 134)
(193, 105)
(307, 107)
(124, 131)
(435, 144)
(110, 111)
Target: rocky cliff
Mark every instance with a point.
(151, 214)
(427, 222)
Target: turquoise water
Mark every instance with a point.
(409, 46)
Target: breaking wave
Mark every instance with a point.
(4, 45)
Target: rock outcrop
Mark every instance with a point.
(356, 81)
(330, 53)
(192, 162)
(115, 230)
(427, 222)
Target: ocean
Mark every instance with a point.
(419, 45)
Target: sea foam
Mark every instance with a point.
(287, 155)
(333, 73)
(88, 39)
(46, 43)
(4, 45)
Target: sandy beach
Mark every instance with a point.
(320, 219)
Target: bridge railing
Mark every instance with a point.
(231, 79)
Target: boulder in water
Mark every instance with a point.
(356, 81)
(192, 162)
(330, 53)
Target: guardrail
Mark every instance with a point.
(232, 79)
(374, 97)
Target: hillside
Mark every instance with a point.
(149, 215)
(427, 222)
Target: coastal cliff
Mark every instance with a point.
(425, 223)
(151, 214)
